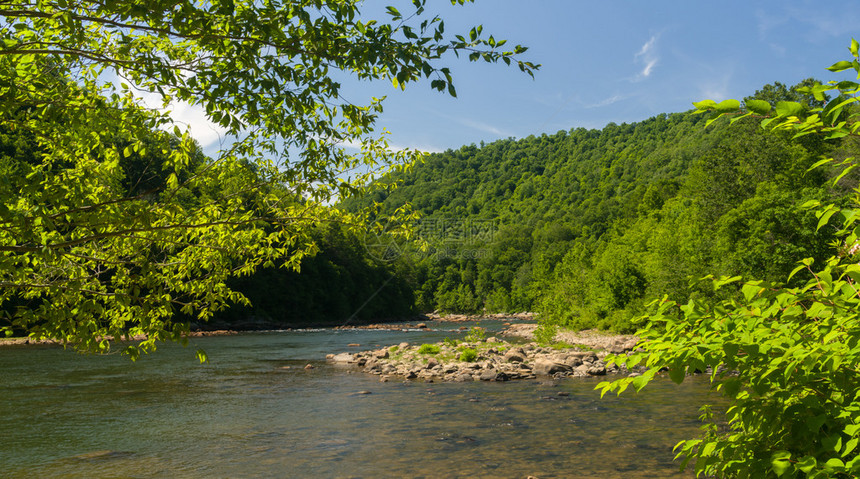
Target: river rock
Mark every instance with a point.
(381, 354)
(516, 355)
(343, 358)
(546, 367)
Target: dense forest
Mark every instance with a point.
(587, 226)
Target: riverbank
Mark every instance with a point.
(493, 358)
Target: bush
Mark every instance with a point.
(476, 335)
(429, 349)
(545, 332)
(469, 355)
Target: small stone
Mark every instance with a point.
(309, 366)
(563, 393)
(353, 345)
(422, 326)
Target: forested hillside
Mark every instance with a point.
(586, 226)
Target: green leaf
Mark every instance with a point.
(806, 464)
(759, 107)
(825, 216)
(677, 374)
(788, 108)
(705, 105)
(751, 290)
(780, 462)
(834, 465)
(812, 203)
(727, 106)
(840, 66)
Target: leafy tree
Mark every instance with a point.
(109, 225)
(785, 357)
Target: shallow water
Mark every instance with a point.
(246, 415)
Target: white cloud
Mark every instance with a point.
(648, 56)
(480, 126)
(186, 116)
(192, 117)
(606, 101)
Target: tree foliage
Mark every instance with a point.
(111, 218)
(785, 356)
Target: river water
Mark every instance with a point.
(255, 411)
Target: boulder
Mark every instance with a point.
(343, 358)
(381, 354)
(516, 355)
(546, 367)
(572, 361)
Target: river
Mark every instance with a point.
(255, 411)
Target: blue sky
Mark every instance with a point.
(602, 61)
(613, 61)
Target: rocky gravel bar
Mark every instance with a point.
(491, 359)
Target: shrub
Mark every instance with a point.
(469, 355)
(476, 334)
(428, 349)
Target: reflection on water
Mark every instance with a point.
(247, 415)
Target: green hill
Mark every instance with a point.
(586, 226)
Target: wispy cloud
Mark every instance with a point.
(480, 126)
(648, 57)
(606, 101)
